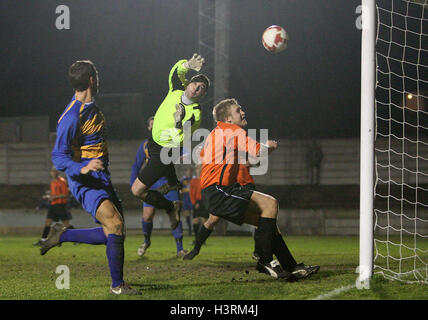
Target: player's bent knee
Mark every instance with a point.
(270, 208)
(114, 227)
(139, 190)
(211, 222)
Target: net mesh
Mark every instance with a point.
(401, 141)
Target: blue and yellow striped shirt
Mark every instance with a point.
(79, 138)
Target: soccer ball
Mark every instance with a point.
(275, 39)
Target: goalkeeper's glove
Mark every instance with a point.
(194, 63)
(179, 115)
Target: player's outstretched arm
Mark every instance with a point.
(195, 62)
(177, 76)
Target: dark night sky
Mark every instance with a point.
(312, 89)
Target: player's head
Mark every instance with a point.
(54, 172)
(189, 172)
(229, 111)
(197, 87)
(150, 123)
(83, 75)
(198, 168)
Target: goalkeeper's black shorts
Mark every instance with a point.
(227, 202)
(154, 168)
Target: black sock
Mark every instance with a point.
(45, 232)
(281, 251)
(254, 237)
(201, 237)
(189, 224)
(196, 229)
(264, 239)
(157, 200)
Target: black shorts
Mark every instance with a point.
(250, 186)
(154, 169)
(201, 212)
(58, 212)
(227, 202)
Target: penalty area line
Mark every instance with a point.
(332, 293)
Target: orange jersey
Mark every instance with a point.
(244, 176)
(59, 187)
(195, 190)
(224, 151)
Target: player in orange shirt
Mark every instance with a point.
(57, 209)
(224, 197)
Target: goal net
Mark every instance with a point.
(401, 141)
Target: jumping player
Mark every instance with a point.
(81, 152)
(224, 197)
(181, 105)
(149, 211)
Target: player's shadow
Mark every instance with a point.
(139, 260)
(234, 265)
(151, 287)
(158, 287)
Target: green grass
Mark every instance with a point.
(223, 270)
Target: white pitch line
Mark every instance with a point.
(334, 292)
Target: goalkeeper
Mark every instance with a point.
(179, 109)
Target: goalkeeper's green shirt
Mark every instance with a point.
(164, 132)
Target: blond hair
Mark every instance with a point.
(222, 109)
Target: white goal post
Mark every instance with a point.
(394, 141)
(365, 269)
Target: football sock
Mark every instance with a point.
(254, 237)
(264, 239)
(281, 251)
(196, 228)
(157, 200)
(178, 236)
(90, 236)
(147, 230)
(115, 255)
(189, 224)
(201, 237)
(45, 232)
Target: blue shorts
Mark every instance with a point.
(93, 188)
(187, 204)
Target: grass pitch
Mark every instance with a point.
(223, 270)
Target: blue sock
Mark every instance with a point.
(90, 236)
(178, 236)
(115, 255)
(147, 230)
